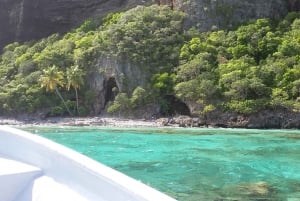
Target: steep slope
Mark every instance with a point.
(216, 14)
(22, 20)
(143, 60)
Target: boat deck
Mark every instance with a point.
(23, 182)
(15, 177)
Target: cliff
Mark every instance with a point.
(219, 14)
(22, 20)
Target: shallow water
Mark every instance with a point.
(195, 164)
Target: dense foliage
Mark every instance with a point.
(150, 37)
(254, 67)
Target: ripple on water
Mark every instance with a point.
(196, 164)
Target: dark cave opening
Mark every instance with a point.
(111, 89)
(173, 106)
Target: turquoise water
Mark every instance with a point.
(195, 164)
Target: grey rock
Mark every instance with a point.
(117, 72)
(23, 20)
(218, 14)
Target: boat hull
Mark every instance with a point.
(66, 172)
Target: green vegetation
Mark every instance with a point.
(149, 37)
(52, 77)
(252, 68)
(124, 104)
(75, 80)
(255, 67)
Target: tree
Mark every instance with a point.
(279, 98)
(163, 83)
(148, 36)
(50, 79)
(75, 80)
(121, 104)
(138, 97)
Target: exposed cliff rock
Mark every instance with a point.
(216, 14)
(22, 20)
(114, 74)
(293, 5)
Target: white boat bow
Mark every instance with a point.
(33, 168)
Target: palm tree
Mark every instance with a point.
(50, 79)
(75, 79)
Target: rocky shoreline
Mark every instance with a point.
(281, 119)
(79, 121)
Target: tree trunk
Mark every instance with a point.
(57, 92)
(77, 104)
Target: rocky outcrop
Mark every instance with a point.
(266, 119)
(22, 20)
(114, 74)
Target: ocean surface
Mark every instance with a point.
(195, 164)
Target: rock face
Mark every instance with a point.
(114, 75)
(218, 14)
(265, 119)
(22, 20)
(293, 5)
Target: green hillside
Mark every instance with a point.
(253, 67)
